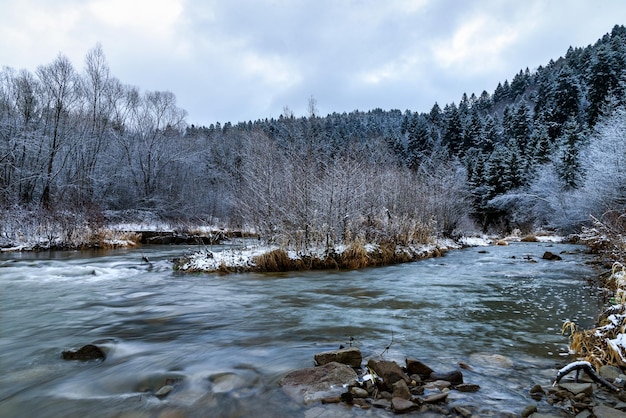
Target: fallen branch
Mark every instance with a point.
(587, 368)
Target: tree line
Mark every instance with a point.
(544, 150)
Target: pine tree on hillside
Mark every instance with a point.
(568, 164)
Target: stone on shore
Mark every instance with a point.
(455, 377)
(350, 356)
(576, 388)
(401, 405)
(389, 371)
(401, 390)
(316, 383)
(602, 411)
(414, 366)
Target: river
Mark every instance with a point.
(227, 340)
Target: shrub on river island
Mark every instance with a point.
(268, 259)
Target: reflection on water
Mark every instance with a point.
(226, 340)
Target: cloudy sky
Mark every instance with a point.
(239, 60)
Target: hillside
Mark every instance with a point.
(544, 150)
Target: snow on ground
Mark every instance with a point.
(243, 258)
(550, 238)
(475, 241)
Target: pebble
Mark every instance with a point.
(401, 405)
(436, 398)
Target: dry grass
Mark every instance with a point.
(275, 260)
(529, 238)
(598, 345)
(354, 257)
(105, 238)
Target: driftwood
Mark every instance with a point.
(587, 368)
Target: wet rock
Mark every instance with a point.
(358, 392)
(85, 353)
(467, 387)
(537, 390)
(227, 382)
(455, 377)
(362, 403)
(528, 411)
(164, 391)
(436, 398)
(350, 356)
(401, 390)
(491, 360)
(576, 388)
(551, 256)
(610, 372)
(538, 415)
(438, 384)
(401, 405)
(464, 412)
(464, 365)
(584, 414)
(603, 411)
(331, 399)
(389, 371)
(414, 366)
(381, 403)
(314, 383)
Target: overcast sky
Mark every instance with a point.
(239, 60)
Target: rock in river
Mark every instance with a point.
(85, 353)
(315, 383)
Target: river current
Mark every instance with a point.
(227, 340)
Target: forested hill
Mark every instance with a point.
(503, 139)
(545, 149)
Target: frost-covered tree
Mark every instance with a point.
(603, 161)
(568, 165)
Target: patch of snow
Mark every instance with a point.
(618, 344)
(550, 238)
(475, 241)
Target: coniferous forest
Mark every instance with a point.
(543, 150)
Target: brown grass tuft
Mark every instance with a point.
(529, 238)
(354, 257)
(276, 260)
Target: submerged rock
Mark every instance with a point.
(85, 353)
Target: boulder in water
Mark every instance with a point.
(85, 353)
(316, 383)
(551, 256)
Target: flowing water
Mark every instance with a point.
(227, 340)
